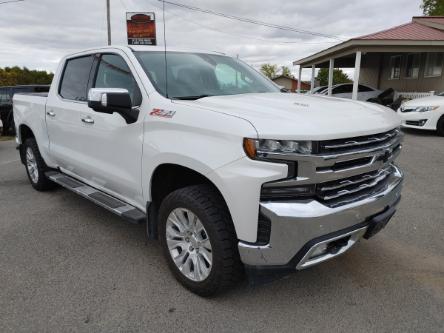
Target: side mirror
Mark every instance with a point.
(110, 100)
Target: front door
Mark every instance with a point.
(105, 151)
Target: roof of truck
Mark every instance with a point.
(147, 48)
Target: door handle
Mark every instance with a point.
(51, 113)
(88, 120)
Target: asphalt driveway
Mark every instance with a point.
(68, 265)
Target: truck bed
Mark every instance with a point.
(38, 94)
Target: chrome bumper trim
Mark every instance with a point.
(308, 261)
(295, 223)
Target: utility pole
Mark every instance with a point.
(108, 21)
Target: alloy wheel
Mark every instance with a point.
(31, 165)
(189, 244)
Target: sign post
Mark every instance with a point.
(141, 28)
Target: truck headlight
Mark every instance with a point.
(260, 148)
(426, 108)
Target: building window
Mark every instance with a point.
(433, 65)
(412, 65)
(395, 67)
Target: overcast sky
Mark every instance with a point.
(36, 33)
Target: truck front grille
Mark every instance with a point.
(341, 146)
(346, 190)
(340, 171)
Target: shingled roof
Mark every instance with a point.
(421, 29)
(409, 31)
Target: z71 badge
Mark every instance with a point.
(162, 113)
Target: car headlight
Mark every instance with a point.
(425, 108)
(260, 148)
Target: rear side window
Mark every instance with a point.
(74, 83)
(343, 89)
(5, 99)
(114, 72)
(364, 88)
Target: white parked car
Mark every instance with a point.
(424, 113)
(230, 174)
(345, 90)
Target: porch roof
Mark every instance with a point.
(420, 32)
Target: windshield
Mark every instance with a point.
(197, 75)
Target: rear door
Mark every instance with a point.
(64, 112)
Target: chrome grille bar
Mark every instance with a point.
(355, 143)
(355, 181)
(361, 187)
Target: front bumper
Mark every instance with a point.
(297, 227)
(420, 120)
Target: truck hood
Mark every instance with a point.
(304, 117)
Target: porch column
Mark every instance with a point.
(299, 80)
(356, 75)
(312, 83)
(330, 75)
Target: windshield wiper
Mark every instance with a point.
(191, 98)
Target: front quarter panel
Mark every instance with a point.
(210, 143)
(199, 139)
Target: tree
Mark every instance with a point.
(338, 77)
(433, 7)
(11, 76)
(269, 70)
(285, 71)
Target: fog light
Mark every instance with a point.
(319, 250)
(295, 192)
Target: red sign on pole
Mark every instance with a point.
(141, 28)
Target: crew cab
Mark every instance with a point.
(232, 176)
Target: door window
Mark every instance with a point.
(363, 88)
(114, 72)
(5, 99)
(343, 89)
(74, 83)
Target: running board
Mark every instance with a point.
(116, 206)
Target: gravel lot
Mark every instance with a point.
(67, 265)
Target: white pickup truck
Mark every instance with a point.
(230, 174)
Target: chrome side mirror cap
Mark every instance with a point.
(110, 100)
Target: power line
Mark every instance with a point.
(251, 21)
(9, 1)
(241, 35)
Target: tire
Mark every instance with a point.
(36, 166)
(206, 204)
(440, 126)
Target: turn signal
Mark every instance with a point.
(250, 148)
